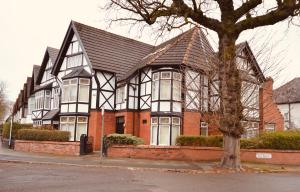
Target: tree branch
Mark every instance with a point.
(285, 9)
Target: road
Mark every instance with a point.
(45, 178)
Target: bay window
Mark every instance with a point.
(166, 91)
(81, 127)
(39, 100)
(47, 101)
(69, 91)
(84, 89)
(164, 130)
(56, 98)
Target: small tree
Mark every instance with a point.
(228, 18)
(3, 102)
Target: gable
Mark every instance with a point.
(44, 76)
(73, 58)
(247, 63)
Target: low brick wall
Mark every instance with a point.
(59, 148)
(203, 154)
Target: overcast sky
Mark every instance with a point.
(28, 27)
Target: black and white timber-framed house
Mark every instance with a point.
(153, 92)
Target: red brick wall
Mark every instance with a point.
(95, 125)
(58, 148)
(191, 123)
(144, 129)
(269, 112)
(131, 121)
(201, 154)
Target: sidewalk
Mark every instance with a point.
(94, 160)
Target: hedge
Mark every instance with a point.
(124, 139)
(211, 141)
(43, 135)
(285, 140)
(6, 130)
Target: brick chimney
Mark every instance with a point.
(269, 112)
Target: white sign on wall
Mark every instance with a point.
(263, 155)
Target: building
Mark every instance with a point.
(46, 92)
(153, 92)
(287, 98)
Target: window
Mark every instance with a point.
(286, 116)
(74, 61)
(74, 54)
(270, 127)
(47, 101)
(47, 74)
(165, 91)
(165, 75)
(81, 127)
(68, 124)
(69, 90)
(165, 129)
(56, 98)
(31, 105)
(39, 100)
(121, 97)
(84, 90)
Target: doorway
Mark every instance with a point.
(120, 125)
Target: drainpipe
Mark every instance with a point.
(289, 116)
(102, 132)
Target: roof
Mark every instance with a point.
(46, 87)
(35, 72)
(78, 72)
(106, 51)
(289, 92)
(51, 114)
(36, 69)
(28, 86)
(53, 53)
(190, 48)
(50, 53)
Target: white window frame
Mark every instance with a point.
(66, 96)
(84, 84)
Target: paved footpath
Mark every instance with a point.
(94, 160)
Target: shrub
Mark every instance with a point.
(43, 135)
(249, 143)
(288, 140)
(6, 130)
(210, 141)
(124, 139)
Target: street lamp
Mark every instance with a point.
(10, 130)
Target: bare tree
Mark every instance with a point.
(3, 101)
(228, 18)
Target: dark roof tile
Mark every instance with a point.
(289, 92)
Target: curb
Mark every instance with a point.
(214, 170)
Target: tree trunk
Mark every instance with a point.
(231, 110)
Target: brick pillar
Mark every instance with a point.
(94, 128)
